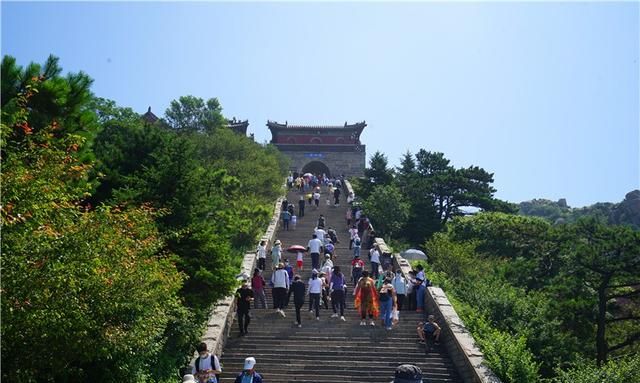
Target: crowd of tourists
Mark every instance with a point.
(379, 291)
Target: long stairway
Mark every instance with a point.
(328, 350)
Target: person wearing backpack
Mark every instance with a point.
(356, 246)
(207, 366)
(286, 217)
(357, 266)
(408, 373)
(429, 328)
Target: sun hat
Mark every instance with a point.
(188, 379)
(277, 242)
(249, 363)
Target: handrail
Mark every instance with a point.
(223, 312)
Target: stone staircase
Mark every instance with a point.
(328, 350)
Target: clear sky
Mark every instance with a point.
(543, 95)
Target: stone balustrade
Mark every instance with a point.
(224, 311)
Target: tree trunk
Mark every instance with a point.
(601, 341)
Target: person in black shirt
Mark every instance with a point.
(298, 290)
(301, 207)
(244, 296)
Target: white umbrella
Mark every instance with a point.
(413, 255)
(308, 175)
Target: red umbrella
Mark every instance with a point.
(296, 248)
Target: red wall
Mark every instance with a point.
(306, 139)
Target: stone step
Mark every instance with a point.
(328, 350)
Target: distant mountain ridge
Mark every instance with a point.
(626, 212)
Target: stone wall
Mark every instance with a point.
(224, 311)
(351, 164)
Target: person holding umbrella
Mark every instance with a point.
(299, 251)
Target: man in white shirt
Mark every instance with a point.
(314, 248)
(320, 233)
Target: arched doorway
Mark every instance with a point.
(317, 168)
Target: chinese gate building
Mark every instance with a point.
(332, 150)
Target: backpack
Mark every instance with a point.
(213, 361)
(429, 328)
(356, 242)
(408, 373)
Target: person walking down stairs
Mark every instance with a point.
(207, 365)
(244, 296)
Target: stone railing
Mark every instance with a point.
(459, 343)
(457, 340)
(224, 311)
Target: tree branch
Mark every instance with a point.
(633, 338)
(623, 318)
(626, 295)
(630, 284)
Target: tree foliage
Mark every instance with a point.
(79, 285)
(118, 236)
(544, 284)
(193, 114)
(621, 370)
(387, 208)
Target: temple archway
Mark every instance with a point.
(316, 168)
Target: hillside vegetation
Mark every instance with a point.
(118, 234)
(547, 299)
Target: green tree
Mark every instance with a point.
(193, 114)
(79, 284)
(387, 208)
(621, 370)
(378, 173)
(216, 189)
(607, 260)
(438, 192)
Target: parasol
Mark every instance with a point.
(296, 248)
(413, 255)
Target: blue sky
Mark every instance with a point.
(543, 95)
